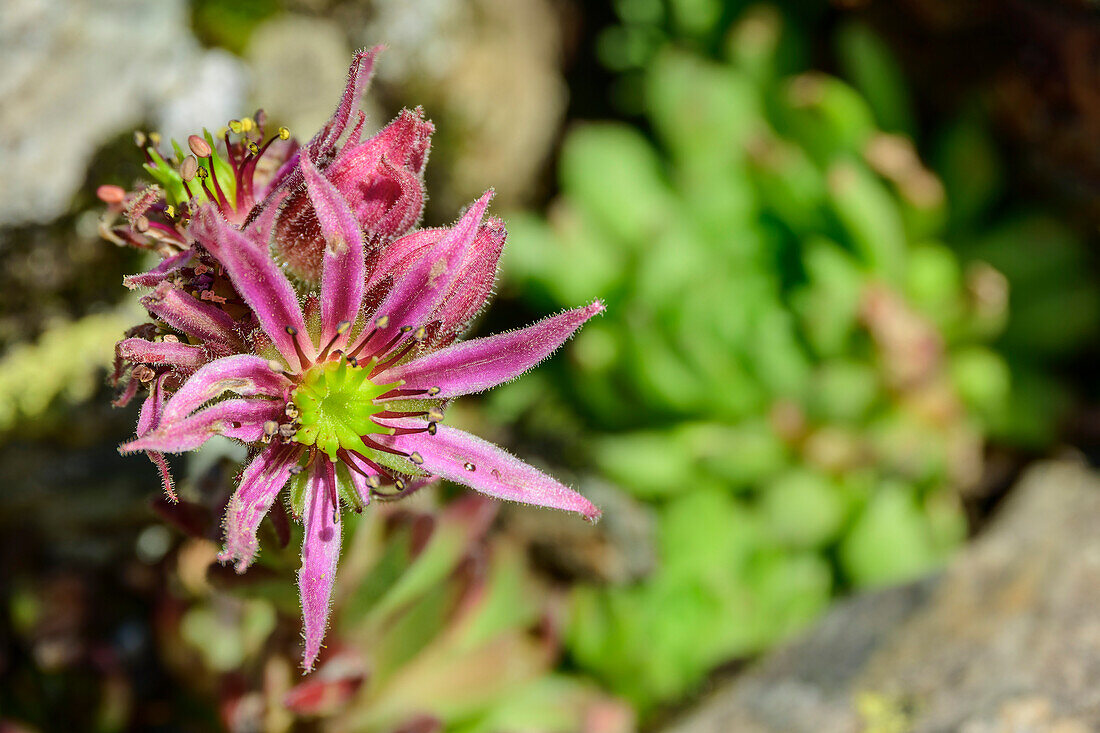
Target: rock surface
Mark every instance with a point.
(1006, 639)
(74, 74)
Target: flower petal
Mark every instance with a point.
(344, 266)
(244, 374)
(320, 552)
(259, 484)
(175, 354)
(242, 419)
(479, 364)
(474, 282)
(148, 419)
(466, 459)
(164, 270)
(190, 315)
(359, 76)
(405, 142)
(259, 281)
(417, 292)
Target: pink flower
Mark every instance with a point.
(309, 325)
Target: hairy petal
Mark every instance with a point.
(149, 418)
(163, 271)
(466, 459)
(259, 484)
(175, 354)
(479, 364)
(359, 76)
(320, 552)
(474, 282)
(417, 292)
(344, 265)
(259, 281)
(244, 374)
(190, 315)
(242, 419)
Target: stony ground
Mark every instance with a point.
(1006, 639)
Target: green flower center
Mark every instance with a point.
(335, 404)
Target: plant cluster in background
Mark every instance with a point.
(796, 370)
(437, 625)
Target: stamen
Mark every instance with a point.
(335, 503)
(341, 328)
(371, 443)
(293, 333)
(394, 359)
(284, 134)
(469, 466)
(249, 164)
(416, 458)
(433, 428)
(379, 323)
(435, 414)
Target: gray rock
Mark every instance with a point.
(1006, 639)
(72, 75)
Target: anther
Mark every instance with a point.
(247, 124)
(139, 138)
(154, 137)
(284, 134)
(399, 483)
(189, 167)
(287, 431)
(111, 194)
(295, 470)
(270, 428)
(433, 391)
(170, 211)
(144, 374)
(420, 334)
(198, 146)
(435, 414)
(141, 224)
(291, 410)
(253, 148)
(416, 458)
(469, 466)
(382, 321)
(374, 482)
(236, 126)
(343, 327)
(202, 173)
(293, 333)
(406, 329)
(432, 428)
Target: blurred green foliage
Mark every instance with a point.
(436, 626)
(795, 369)
(64, 367)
